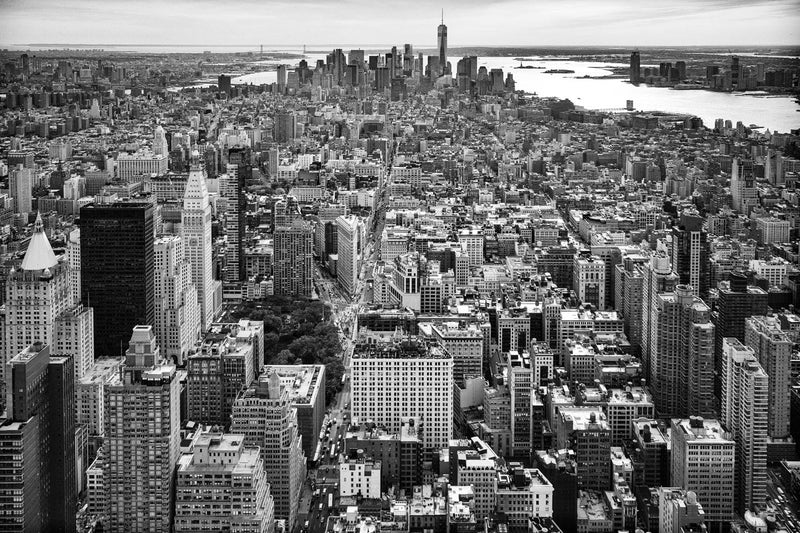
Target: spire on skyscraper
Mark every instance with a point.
(39, 255)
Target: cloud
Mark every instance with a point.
(470, 22)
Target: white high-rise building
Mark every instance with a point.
(394, 380)
(20, 187)
(196, 232)
(142, 439)
(472, 243)
(37, 292)
(160, 146)
(703, 461)
(349, 233)
(222, 486)
(74, 336)
(589, 280)
(773, 348)
(264, 414)
(743, 409)
(177, 314)
(74, 260)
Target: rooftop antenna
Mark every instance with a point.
(442, 16)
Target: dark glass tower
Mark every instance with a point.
(117, 270)
(635, 68)
(37, 444)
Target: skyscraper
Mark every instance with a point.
(394, 380)
(744, 412)
(37, 293)
(735, 302)
(216, 373)
(264, 415)
(196, 233)
(117, 270)
(177, 313)
(690, 252)
(232, 186)
(160, 146)
(636, 68)
(682, 355)
(224, 84)
(349, 229)
(37, 444)
(285, 127)
(222, 486)
(658, 278)
(441, 40)
(773, 348)
(20, 187)
(293, 267)
(142, 438)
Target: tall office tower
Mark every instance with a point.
(177, 313)
(690, 252)
(392, 381)
(744, 193)
(281, 79)
(224, 84)
(20, 187)
(160, 146)
(773, 348)
(216, 373)
(521, 387)
(408, 59)
(285, 127)
(117, 270)
(736, 72)
(658, 278)
(142, 438)
(349, 243)
(736, 301)
(590, 281)
(74, 260)
(703, 458)
(293, 268)
(37, 444)
(682, 355)
(263, 413)
(743, 410)
(37, 292)
(232, 189)
(73, 335)
(636, 69)
(441, 40)
(629, 288)
(196, 233)
(222, 486)
(242, 157)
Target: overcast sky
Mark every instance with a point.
(470, 22)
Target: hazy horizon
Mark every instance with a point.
(496, 23)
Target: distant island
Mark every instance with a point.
(559, 71)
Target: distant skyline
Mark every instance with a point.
(628, 23)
